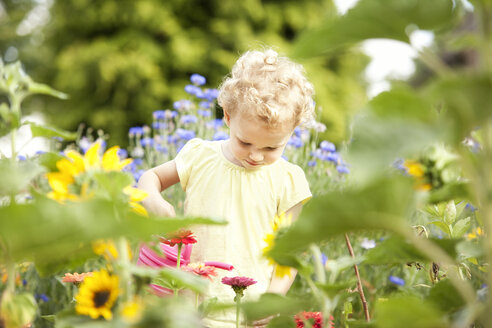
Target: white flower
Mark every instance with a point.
(367, 243)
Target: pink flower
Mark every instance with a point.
(76, 278)
(317, 321)
(181, 236)
(240, 282)
(220, 265)
(201, 270)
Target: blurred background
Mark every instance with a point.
(121, 60)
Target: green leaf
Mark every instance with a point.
(469, 249)
(16, 176)
(333, 290)
(45, 230)
(112, 183)
(181, 279)
(40, 88)
(445, 296)
(394, 250)
(371, 19)
(272, 304)
(461, 227)
(9, 120)
(380, 205)
(50, 132)
(48, 160)
(413, 311)
(450, 191)
(443, 226)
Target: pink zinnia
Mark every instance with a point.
(201, 270)
(181, 236)
(238, 284)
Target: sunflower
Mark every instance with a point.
(97, 295)
(278, 221)
(68, 183)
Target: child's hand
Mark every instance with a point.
(156, 205)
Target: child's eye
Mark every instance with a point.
(271, 148)
(244, 143)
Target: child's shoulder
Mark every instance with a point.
(199, 147)
(282, 166)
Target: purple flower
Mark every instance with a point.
(211, 94)
(147, 142)
(311, 163)
(238, 284)
(122, 153)
(397, 280)
(324, 258)
(327, 146)
(135, 131)
(186, 119)
(172, 139)
(161, 149)
(21, 157)
(185, 134)
(39, 152)
(192, 89)
(343, 169)
(183, 104)
(205, 104)
(204, 113)
(220, 135)
(159, 114)
(295, 141)
(197, 79)
(331, 157)
(215, 124)
(138, 174)
(159, 125)
(470, 207)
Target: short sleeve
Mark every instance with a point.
(295, 189)
(185, 159)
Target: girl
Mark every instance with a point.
(242, 179)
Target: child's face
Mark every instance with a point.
(254, 144)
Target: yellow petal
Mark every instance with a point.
(67, 167)
(124, 163)
(59, 182)
(110, 160)
(77, 159)
(138, 208)
(136, 195)
(91, 157)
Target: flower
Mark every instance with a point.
(238, 284)
(397, 280)
(417, 170)
(317, 321)
(131, 311)
(108, 249)
(159, 114)
(179, 237)
(97, 294)
(367, 243)
(135, 196)
(342, 169)
(278, 221)
(76, 278)
(186, 119)
(197, 79)
(477, 232)
(327, 146)
(220, 135)
(202, 270)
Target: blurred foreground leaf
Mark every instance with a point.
(38, 130)
(383, 204)
(16, 176)
(371, 19)
(272, 304)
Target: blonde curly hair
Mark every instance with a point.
(272, 88)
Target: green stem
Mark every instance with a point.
(124, 261)
(178, 259)
(238, 303)
(318, 264)
(10, 277)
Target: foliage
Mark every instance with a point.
(132, 57)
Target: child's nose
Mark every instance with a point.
(256, 156)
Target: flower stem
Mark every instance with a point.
(178, 259)
(238, 302)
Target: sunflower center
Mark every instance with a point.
(100, 298)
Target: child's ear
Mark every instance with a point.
(227, 117)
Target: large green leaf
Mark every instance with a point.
(445, 296)
(410, 310)
(16, 176)
(45, 230)
(380, 205)
(272, 304)
(181, 279)
(371, 19)
(38, 130)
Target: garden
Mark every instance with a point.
(396, 232)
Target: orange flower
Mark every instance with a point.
(201, 270)
(181, 236)
(76, 277)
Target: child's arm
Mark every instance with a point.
(281, 285)
(154, 181)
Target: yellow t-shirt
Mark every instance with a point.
(248, 200)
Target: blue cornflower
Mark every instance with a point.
(205, 104)
(295, 141)
(204, 112)
(159, 125)
(185, 119)
(138, 161)
(311, 163)
(122, 153)
(42, 297)
(171, 114)
(297, 131)
(327, 146)
(39, 152)
(138, 174)
(135, 131)
(324, 258)
(159, 114)
(284, 157)
(343, 169)
(211, 94)
(57, 138)
(185, 134)
(161, 149)
(182, 104)
(147, 142)
(471, 207)
(197, 79)
(21, 157)
(399, 164)
(172, 139)
(215, 124)
(331, 157)
(192, 89)
(397, 280)
(220, 135)
(24, 282)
